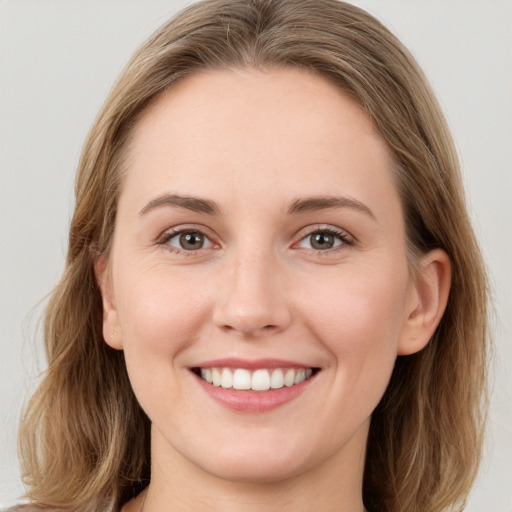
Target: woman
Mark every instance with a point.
(268, 212)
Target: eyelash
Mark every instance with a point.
(345, 238)
(166, 237)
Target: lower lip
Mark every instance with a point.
(254, 401)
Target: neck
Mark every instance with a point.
(332, 485)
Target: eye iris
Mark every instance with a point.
(191, 241)
(322, 241)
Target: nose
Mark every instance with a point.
(252, 298)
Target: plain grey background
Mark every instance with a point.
(58, 59)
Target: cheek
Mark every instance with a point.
(362, 300)
(159, 315)
(159, 318)
(358, 317)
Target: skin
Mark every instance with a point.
(253, 142)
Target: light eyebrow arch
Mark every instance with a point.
(194, 204)
(317, 203)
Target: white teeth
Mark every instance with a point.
(242, 379)
(226, 380)
(206, 374)
(289, 378)
(216, 377)
(300, 376)
(277, 379)
(258, 380)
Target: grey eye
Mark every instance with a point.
(321, 241)
(189, 241)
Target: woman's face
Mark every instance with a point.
(259, 241)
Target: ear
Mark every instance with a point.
(111, 326)
(426, 302)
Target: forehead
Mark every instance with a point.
(283, 130)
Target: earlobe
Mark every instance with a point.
(427, 302)
(111, 327)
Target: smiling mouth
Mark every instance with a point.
(261, 379)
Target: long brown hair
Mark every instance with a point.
(84, 440)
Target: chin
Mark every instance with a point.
(260, 461)
(257, 470)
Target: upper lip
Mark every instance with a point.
(251, 364)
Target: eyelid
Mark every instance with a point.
(170, 233)
(346, 238)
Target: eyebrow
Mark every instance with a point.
(314, 204)
(194, 204)
(303, 205)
